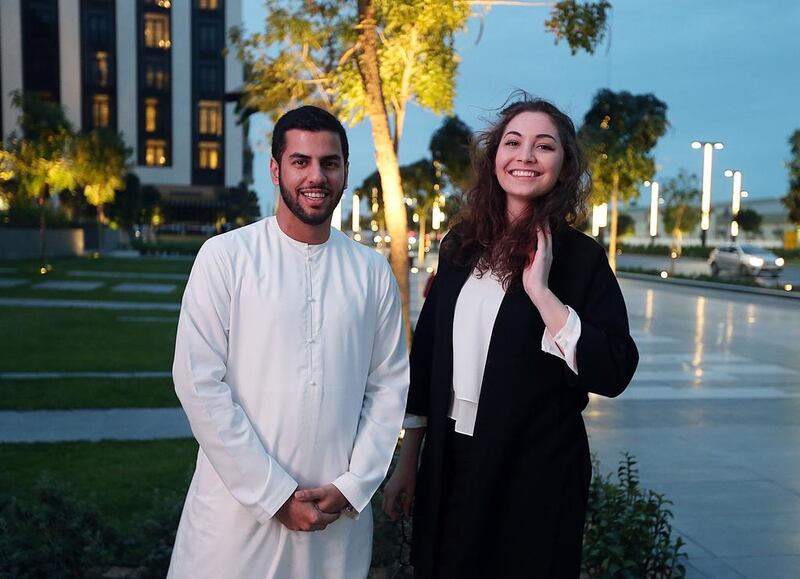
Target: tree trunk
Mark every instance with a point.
(421, 241)
(612, 232)
(43, 227)
(100, 220)
(385, 156)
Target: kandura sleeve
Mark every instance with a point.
(384, 402)
(606, 355)
(220, 425)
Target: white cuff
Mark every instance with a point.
(564, 343)
(415, 421)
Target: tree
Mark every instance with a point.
(39, 159)
(792, 199)
(133, 205)
(100, 162)
(680, 214)
(240, 205)
(449, 146)
(619, 132)
(626, 225)
(749, 221)
(372, 58)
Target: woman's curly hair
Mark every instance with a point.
(484, 239)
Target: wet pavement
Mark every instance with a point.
(713, 418)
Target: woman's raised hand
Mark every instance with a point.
(534, 277)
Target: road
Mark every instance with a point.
(713, 417)
(698, 266)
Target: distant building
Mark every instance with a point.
(775, 223)
(153, 69)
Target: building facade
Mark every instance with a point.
(154, 70)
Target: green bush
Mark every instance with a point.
(151, 544)
(628, 533)
(57, 536)
(190, 247)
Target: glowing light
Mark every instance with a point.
(336, 218)
(356, 222)
(414, 270)
(653, 209)
(599, 218)
(429, 269)
(664, 275)
(788, 287)
(357, 237)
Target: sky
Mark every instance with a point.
(728, 70)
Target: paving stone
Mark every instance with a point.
(147, 288)
(70, 285)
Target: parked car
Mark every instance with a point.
(744, 259)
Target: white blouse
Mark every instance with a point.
(473, 322)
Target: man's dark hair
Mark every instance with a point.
(306, 118)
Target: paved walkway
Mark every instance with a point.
(88, 304)
(110, 424)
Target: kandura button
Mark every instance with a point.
(309, 340)
(312, 383)
(309, 299)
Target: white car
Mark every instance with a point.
(744, 260)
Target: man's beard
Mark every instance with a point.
(292, 202)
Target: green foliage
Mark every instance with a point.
(792, 199)
(681, 203)
(619, 132)
(133, 204)
(240, 205)
(150, 545)
(100, 162)
(450, 146)
(56, 536)
(628, 533)
(749, 220)
(626, 225)
(582, 25)
(307, 55)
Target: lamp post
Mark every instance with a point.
(736, 201)
(705, 204)
(654, 188)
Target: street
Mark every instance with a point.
(713, 418)
(698, 266)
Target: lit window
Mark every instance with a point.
(101, 68)
(210, 121)
(100, 111)
(150, 115)
(208, 4)
(155, 153)
(156, 75)
(209, 155)
(156, 31)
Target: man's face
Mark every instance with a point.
(312, 175)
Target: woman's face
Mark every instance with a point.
(529, 159)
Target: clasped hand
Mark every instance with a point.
(312, 509)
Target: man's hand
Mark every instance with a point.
(297, 515)
(327, 498)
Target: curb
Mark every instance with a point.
(710, 285)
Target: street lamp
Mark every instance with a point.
(356, 214)
(653, 209)
(705, 204)
(737, 200)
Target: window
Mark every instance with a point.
(156, 75)
(155, 153)
(99, 66)
(208, 4)
(208, 38)
(210, 117)
(209, 155)
(99, 29)
(156, 31)
(209, 78)
(151, 115)
(100, 111)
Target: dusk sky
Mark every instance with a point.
(729, 71)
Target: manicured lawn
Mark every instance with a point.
(73, 340)
(61, 265)
(71, 393)
(120, 477)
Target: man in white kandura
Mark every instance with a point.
(291, 365)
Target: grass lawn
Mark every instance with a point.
(73, 340)
(120, 477)
(72, 393)
(116, 264)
